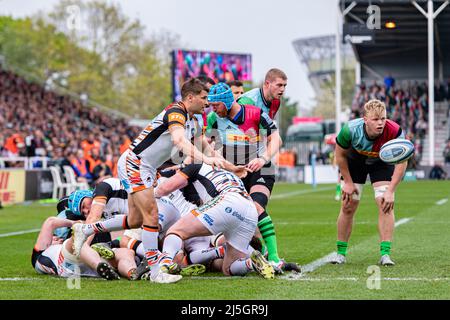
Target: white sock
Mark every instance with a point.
(140, 250)
(206, 255)
(172, 244)
(241, 267)
(150, 244)
(116, 223)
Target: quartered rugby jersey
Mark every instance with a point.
(115, 195)
(255, 97)
(240, 137)
(353, 134)
(154, 144)
(209, 182)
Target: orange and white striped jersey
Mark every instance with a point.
(154, 144)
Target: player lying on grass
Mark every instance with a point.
(132, 238)
(110, 200)
(53, 256)
(226, 208)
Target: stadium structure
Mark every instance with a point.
(395, 39)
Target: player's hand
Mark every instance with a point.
(215, 162)
(57, 240)
(387, 202)
(240, 171)
(256, 164)
(347, 192)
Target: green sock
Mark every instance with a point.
(342, 247)
(338, 189)
(385, 247)
(268, 233)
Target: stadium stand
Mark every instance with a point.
(37, 122)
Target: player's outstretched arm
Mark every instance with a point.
(96, 211)
(175, 182)
(180, 141)
(274, 143)
(45, 237)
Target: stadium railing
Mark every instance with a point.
(27, 162)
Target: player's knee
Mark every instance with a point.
(349, 210)
(260, 199)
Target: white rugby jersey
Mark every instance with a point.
(178, 200)
(210, 182)
(154, 144)
(115, 195)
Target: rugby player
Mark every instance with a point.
(237, 87)
(227, 208)
(168, 133)
(55, 257)
(357, 148)
(239, 127)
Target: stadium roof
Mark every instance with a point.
(402, 49)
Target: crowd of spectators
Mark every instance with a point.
(37, 122)
(406, 104)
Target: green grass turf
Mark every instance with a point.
(306, 231)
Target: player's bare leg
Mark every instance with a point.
(386, 225)
(125, 263)
(344, 229)
(143, 202)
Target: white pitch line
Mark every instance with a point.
(310, 267)
(18, 233)
(320, 222)
(354, 279)
(277, 196)
(299, 192)
(19, 279)
(442, 201)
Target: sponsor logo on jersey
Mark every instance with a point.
(242, 138)
(177, 117)
(237, 215)
(208, 219)
(228, 210)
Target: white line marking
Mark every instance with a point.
(310, 267)
(354, 279)
(299, 192)
(18, 233)
(321, 222)
(277, 196)
(301, 277)
(402, 221)
(19, 279)
(442, 201)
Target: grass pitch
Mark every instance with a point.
(305, 223)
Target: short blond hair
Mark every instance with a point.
(374, 106)
(274, 73)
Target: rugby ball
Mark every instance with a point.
(396, 151)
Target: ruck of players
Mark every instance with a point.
(191, 195)
(193, 190)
